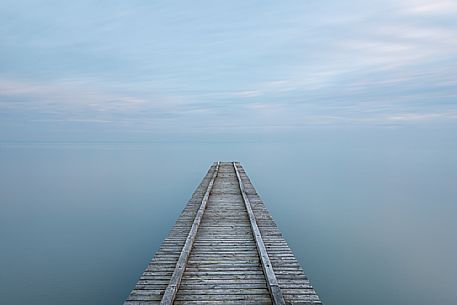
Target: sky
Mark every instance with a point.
(94, 70)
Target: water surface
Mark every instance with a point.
(372, 222)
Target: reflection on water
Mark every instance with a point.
(371, 223)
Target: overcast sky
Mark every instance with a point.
(154, 68)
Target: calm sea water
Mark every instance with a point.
(371, 221)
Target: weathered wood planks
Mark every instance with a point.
(170, 292)
(224, 249)
(268, 271)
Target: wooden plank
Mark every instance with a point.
(172, 288)
(224, 256)
(294, 286)
(272, 282)
(172, 246)
(224, 264)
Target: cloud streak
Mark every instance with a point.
(166, 67)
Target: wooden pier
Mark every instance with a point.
(224, 249)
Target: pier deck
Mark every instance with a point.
(224, 249)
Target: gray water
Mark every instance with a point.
(370, 215)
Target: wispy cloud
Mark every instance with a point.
(420, 116)
(431, 7)
(162, 67)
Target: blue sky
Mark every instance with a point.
(155, 68)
